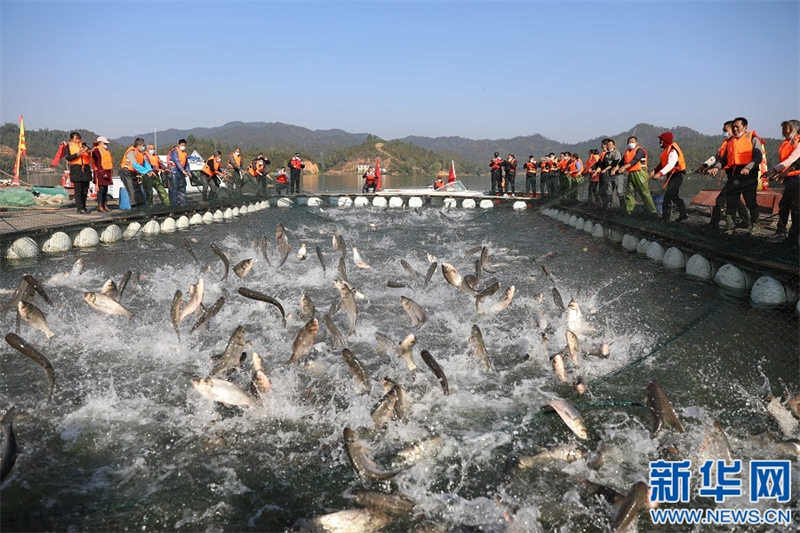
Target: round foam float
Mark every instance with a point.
(449, 203)
(588, 226)
(168, 225)
(731, 277)
(218, 216)
(151, 228)
(699, 267)
(22, 248)
(468, 203)
(486, 204)
(414, 202)
(641, 246)
(629, 242)
(182, 222)
(768, 291)
(131, 231)
(314, 201)
(361, 201)
(87, 238)
(227, 214)
(380, 201)
(208, 218)
(236, 211)
(57, 242)
(285, 202)
(655, 251)
(598, 232)
(519, 205)
(395, 202)
(195, 219)
(345, 201)
(112, 233)
(572, 220)
(674, 259)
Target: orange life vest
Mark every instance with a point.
(211, 167)
(739, 150)
(155, 162)
(722, 146)
(106, 162)
(572, 167)
(369, 177)
(680, 165)
(280, 177)
(530, 167)
(787, 147)
(139, 158)
(628, 157)
(75, 148)
(496, 163)
(237, 159)
(182, 157)
(295, 163)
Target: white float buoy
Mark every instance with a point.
(227, 214)
(598, 232)
(674, 259)
(641, 246)
(131, 231)
(218, 216)
(614, 235)
(449, 203)
(183, 222)
(655, 251)
(519, 205)
(345, 201)
(195, 219)
(151, 228)
(588, 226)
(572, 220)
(87, 238)
(469, 203)
(395, 202)
(285, 202)
(314, 201)
(361, 201)
(168, 225)
(731, 277)
(22, 248)
(768, 291)
(236, 211)
(486, 204)
(380, 201)
(208, 218)
(414, 202)
(699, 267)
(265, 204)
(629, 242)
(112, 233)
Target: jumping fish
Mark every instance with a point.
(9, 444)
(431, 258)
(255, 295)
(282, 242)
(266, 248)
(302, 253)
(403, 405)
(188, 247)
(109, 289)
(34, 317)
(661, 409)
(307, 309)
(485, 260)
(559, 371)
(786, 422)
(575, 317)
(635, 500)
(358, 260)
(224, 259)
(342, 269)
(38, 287)
(333, 331)
(351, 521)
(77, 268)
(25, 348)
(222, 391)
(414, 311)
(339, 245)
(505, 302)
(471, 281)
(361, 458)
(394, 284)
(260, 381)
(413, 274)
(436, 369)
(602, 350)
(418, 450)
(571, 417)
(208, 314)
(123, 283)
(105, 305)
(579, 385)
(242, 268)
(478, 269)
(473, 250)
(715, 445)
(175, 312)
(478, 347)
(356, 368)
(384, 410)
(483, 294)
(304, 340)
(557, 299)
(568, 453)
(196, 293)
(451, 275)
(793, 403)
(406, 350)
(429, 274)
(232, 355)
(24, 292)
(321, 259)
(348, 304)
(393, 504)
(572, 346)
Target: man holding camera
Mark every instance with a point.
(80, 170)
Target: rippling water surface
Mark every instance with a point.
(127, 443)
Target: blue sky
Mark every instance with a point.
(568, 70)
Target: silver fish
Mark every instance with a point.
(38, 287)
(384, 410)
(175, 312)
(572, 346)
(485, 260)
(123, 283)
(418, 450)
(109, 289)
(568, 453)
(336, 335)
(348, 304)
(661, 409)
(188, 247)
(436, 369)
(403, 405)
(356, 368)
(196, 293)
(307, 309)
(232, 355)
(635, 500)
(406, 350)
(351, 521)
(557, 299)
(260, 381)
(266, 248)
(25, 348)
(242, 268)
(414, 311)
(579, 385)
(483, 294)
(342, 269)
(571, 417)
(451, 275)
(302, 253)
(24, 292)
(304, 340)
(361, 458)
(559, 371)
(9, 444)
(786, 422)
(282, 242)
(255, 295)
(208, 314)
(358, 260)
(396, 505)
(413, 274)
(339, 245)
(105, 305)
(478, 347)
(223, 258)
(34, 317)
(473, 250)
(505, 302)
(222, 391)
(429, 274)
(321, 259)
(715, 445)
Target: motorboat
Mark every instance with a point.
(454, 188)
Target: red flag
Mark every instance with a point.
(378, 174)
(22, 149)
(61, 152)
(452, 176)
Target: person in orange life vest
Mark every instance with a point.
(510, 178)
(257, 170)
(295, 166)
(102, 165)
(439, 183)
(370, 180)
(133, 166)
(496, 167)
(155, 179)
(590, 170)
(718, 211)
(547, 181)
(236, 177)
(178, 162)
(280, 181)
(609, 183)
(80, 170)
(789, 171)
(530, 175)
(741, 160)
(561, 171)
(211, 172)
(671, 166)
(635, 164)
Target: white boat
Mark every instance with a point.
(454, 188)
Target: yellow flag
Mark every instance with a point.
(22, 149)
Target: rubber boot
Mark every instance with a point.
(730, 227)
(666, 212)
(716, 215)
(682, 210)
(748, 223)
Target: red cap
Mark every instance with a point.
(666, 137)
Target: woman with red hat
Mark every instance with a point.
(672, 166)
